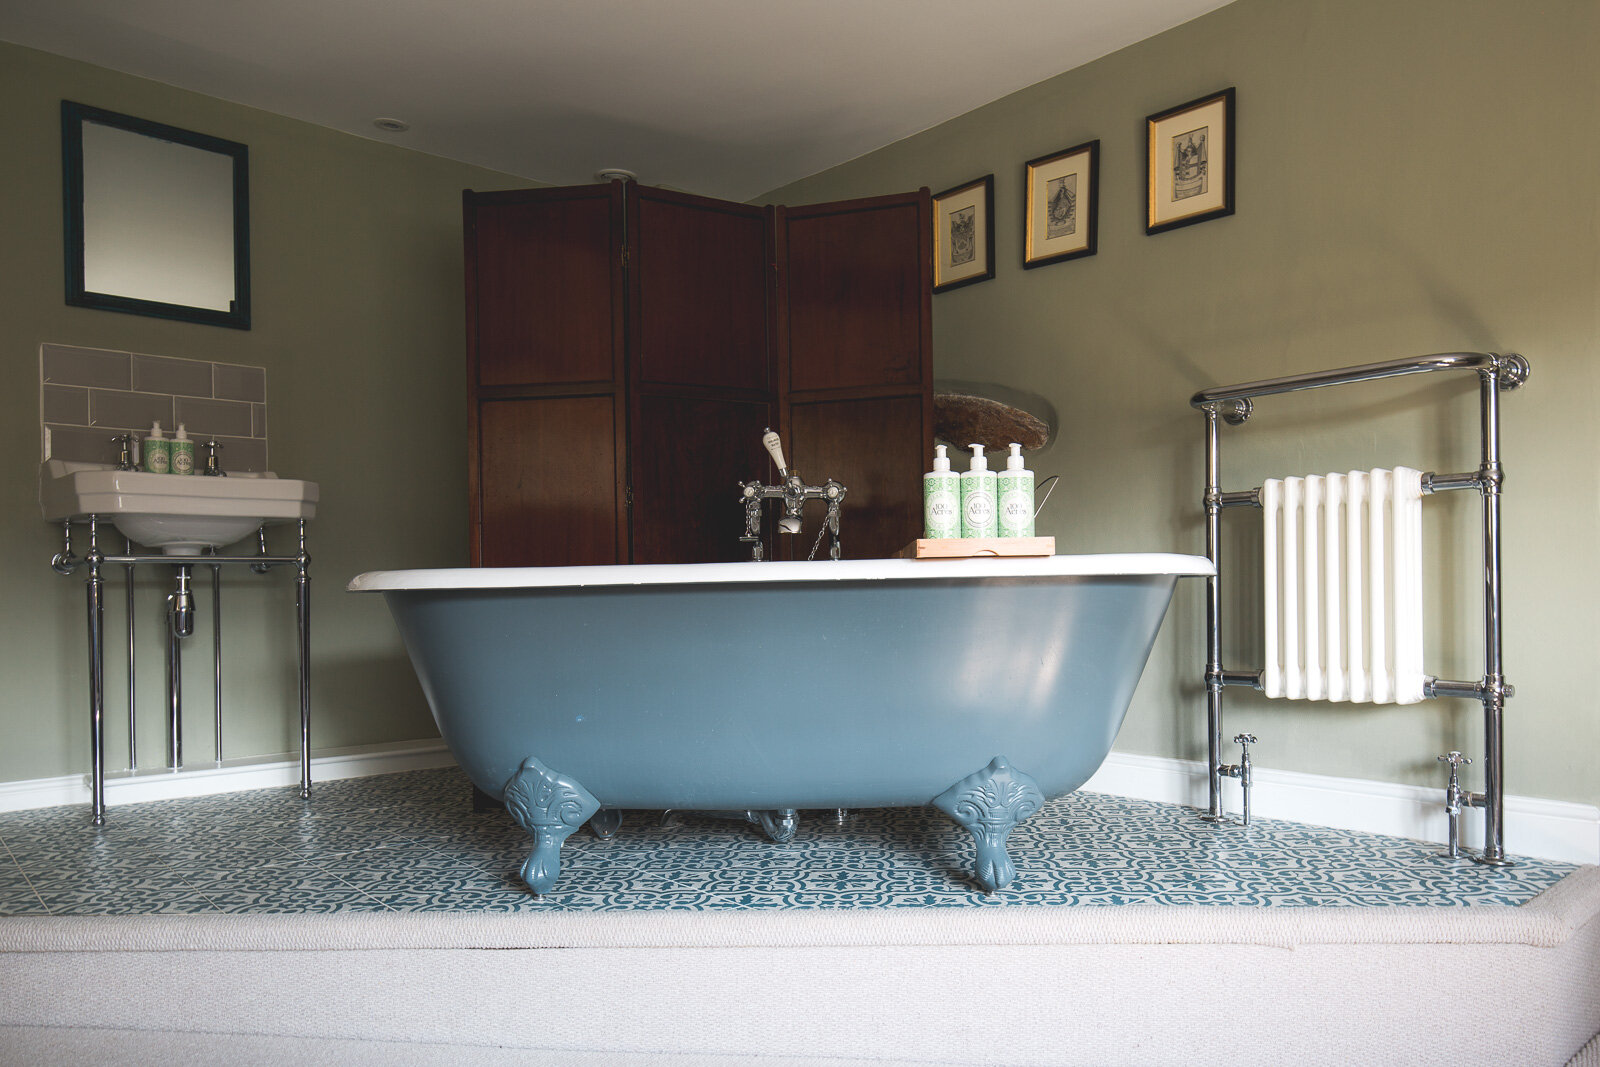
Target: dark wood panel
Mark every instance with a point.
(549, 482)
(701, 291)
(874, 447)
(544, 273)
(855, 293)
(690, 454)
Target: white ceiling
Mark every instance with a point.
(728, 98)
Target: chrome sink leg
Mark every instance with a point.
(302, 603)
(133, 740)
(97, 679)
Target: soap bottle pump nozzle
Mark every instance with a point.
(1014, 461)
(941, 461)
(979, 462)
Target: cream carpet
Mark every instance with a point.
(1016, 986)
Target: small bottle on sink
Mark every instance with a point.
(157, 452)
(182, 452)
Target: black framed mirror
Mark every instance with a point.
(157, 218)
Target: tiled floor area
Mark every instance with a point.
(411, 841)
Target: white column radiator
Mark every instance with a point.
(1342, 586)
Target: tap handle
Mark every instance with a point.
(213, 465)
(775, 448)
(1244, 739)
(1455, 759)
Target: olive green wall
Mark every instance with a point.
(357, 289)
(1412, 177)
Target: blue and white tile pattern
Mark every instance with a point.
(411, 842)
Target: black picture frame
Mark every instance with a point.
(963, 234)
(1048, 180)
(1182, 160)
(73, 117)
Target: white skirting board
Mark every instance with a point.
(230, 776)
(1548, 829)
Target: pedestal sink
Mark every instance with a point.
(182, 515)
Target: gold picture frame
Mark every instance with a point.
(1189, 163)
(1062, 198)
(963, 234)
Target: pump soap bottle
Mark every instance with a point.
(978, 497)
(941, 498)
(1016, 496)
(157, 452)
(182, 452)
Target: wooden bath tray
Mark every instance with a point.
(971, 547)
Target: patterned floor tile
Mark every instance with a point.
(411, 841)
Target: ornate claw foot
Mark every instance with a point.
(605, 822)
(549, 806)
(779, 825)
(989, 803)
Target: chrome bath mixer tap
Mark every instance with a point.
(794, 493)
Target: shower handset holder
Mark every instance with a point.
(793, 492)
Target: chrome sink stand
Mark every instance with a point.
(180, 624)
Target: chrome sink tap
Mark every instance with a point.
(794, 493)
(125, 461)
(213, 466)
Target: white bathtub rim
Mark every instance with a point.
(1106, 564)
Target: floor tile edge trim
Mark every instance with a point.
(263, 773)
(1547, 829)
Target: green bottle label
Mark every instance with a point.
(157, 456)
(1016, 506)
(941, 505)
(977, 508)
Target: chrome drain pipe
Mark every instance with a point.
(180, 624)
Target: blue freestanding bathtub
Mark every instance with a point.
(981, 686)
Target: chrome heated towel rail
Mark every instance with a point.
(1233, 404)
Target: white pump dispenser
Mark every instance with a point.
(157, 452)
(978, 497)
(182, 452)
(941, 498)
(1016, 497)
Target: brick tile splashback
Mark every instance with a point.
(89, 395)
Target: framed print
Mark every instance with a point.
(1063, 205)
(963, 234)
(1189, 157)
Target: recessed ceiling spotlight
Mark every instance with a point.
(615, 174)
(392, 125)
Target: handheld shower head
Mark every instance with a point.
(775, 448)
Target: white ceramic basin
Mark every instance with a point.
(182, 515)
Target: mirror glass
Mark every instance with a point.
(157, 218)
